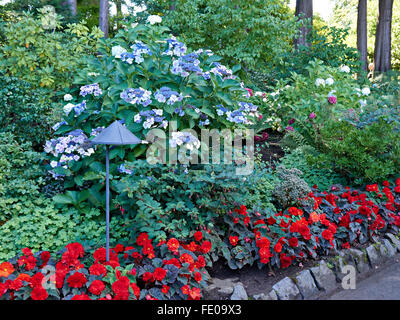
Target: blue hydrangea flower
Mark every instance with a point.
(91, 89)
(165, 94)
(123, 169)
(175, 48)
(136, 96)
(139, 49)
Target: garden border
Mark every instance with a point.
(323, 278)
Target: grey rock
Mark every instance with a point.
(286, 289)
(373, 256)
(343, 259)
(324, 277)
(305, 283)
(383, 252)
(239, 293)
(391, 251)
(223, 286)
(360, 259)
(262, 296)
(394, 240)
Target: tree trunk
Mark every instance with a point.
(72, 6)
(103, 17)
(362, 33)
(118, 4)
(383, 37)
(304, 10)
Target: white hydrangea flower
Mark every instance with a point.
(153, 19)
(116, 51)
(329, 81)
(344, 68)
(320, 82)
(68, 107)
(366, 91)
(67, 97)
(53, 164)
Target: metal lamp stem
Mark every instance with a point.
(107, 203)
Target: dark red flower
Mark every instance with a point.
(285, 261)
(81, 296)
(198, 236)
(38, 293)
(159, 274)
(205, 246)
(293, 242)
(77, 280)
(173, 244)
(148, 277)
(233, 240)
(97, 287)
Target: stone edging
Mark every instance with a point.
(321, 279)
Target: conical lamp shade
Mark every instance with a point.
(116, 134)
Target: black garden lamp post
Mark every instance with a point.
(114, 135)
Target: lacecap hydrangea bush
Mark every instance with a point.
(145, 78)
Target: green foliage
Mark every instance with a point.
(300, 95)
(291, 187)
(368, 153)
(19, 6)
(36, 50)
(327, 45)
(168, 201)
(43, 227)
(200, 98)
(323, 177)
(25, 111)
(19, 176)
(255, 33)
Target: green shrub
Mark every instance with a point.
(41, 226)
(323, 177)
(25, 111)
(369, 153)
(254, 33)
(291, 187)
(36, 50)
(123, 83)
(20, 174)
(170, 201)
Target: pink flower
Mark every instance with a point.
(250, 91)
(289, 128)
(312, 115)
(332, 100)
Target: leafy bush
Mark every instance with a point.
(255, 33)
(25, 111)
(147, 79)
(328, 44)
(291, 188)
(366, 154)
(323, 177)
(41, 226)
(36, 51)
(169, 201)
(19, 176)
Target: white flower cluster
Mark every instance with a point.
(185, 139)
(321, 82)
(344, 68)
